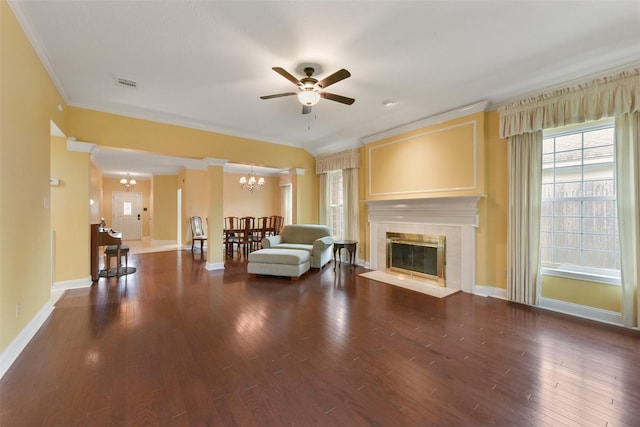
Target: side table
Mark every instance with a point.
(349, 245)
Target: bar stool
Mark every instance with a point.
(111, 251)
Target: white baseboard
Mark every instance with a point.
(582, 311)
(214, 266)
(591, 313)
(490, 291)
(71, 284)
(11, 353)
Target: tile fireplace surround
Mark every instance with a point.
(456, 218)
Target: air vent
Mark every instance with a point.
(126, 82)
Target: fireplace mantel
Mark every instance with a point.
(433, 210)
(456, 218)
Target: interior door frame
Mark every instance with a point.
(138, 195)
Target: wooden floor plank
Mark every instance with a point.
(175, 344)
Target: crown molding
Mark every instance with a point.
(428, 121)
(27, 27)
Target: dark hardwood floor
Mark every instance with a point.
(174, 344)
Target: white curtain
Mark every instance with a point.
(286, 197)
(285, 201)
(618, 96)
(323, 202)
(525, 200)
(628, 199)
(350, 203)
(348, 162)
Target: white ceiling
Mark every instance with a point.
(204, 64)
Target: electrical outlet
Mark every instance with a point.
(18, 309)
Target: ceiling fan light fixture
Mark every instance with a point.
(309, 97)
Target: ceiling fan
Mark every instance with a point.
(310, 89)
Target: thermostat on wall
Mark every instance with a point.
(54, 182)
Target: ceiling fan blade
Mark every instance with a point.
(337, 98)
(278, 95)
(306, 109)
(334, 78)
(284, 73)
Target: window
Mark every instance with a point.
(579, 224)
(336, 217)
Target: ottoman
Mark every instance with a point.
(279, 262)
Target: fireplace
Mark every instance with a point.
(454, 218)
(418, 255)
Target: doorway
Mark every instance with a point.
(126, 214)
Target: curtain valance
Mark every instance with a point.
(348, 159)
(605, 97)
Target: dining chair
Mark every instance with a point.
(198, 232)
(278, 222)
(247, 225)
(230, 230)
(261, 231)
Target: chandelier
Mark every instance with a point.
(252, 184)
(127, 183)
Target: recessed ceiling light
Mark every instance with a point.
(388, 103)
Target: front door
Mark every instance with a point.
(126, 213)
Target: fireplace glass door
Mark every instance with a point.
(416, 255)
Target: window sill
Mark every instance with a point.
(589, 277)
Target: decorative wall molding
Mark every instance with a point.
(403, 157)
(428, 121)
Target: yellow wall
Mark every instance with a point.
(143, 186)
(195, 199)
(124, 132)
(598, 295)
(70, 207)
(491, 260)
(446, 159)
(118, 131)
(239, 202)
(95, 194)
(28, 102)
(491, 236)
(164, 211)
